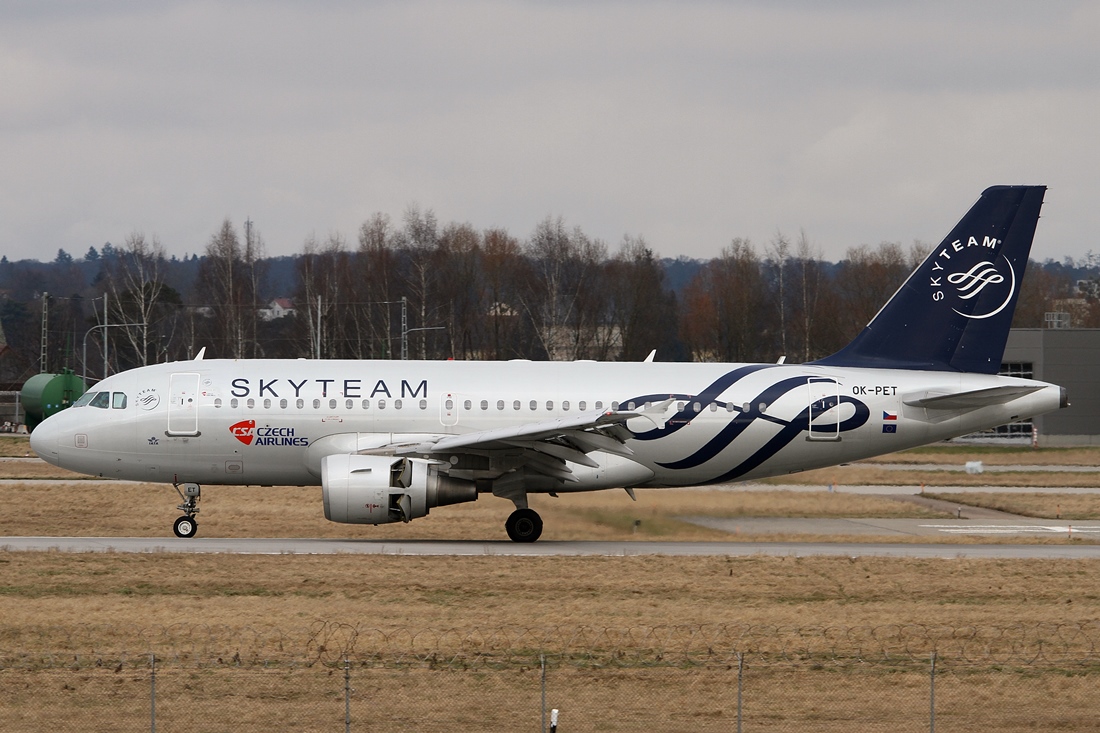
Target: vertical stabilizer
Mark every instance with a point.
(954, 311)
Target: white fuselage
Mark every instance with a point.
(253, 422)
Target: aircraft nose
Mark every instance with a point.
(44, 441)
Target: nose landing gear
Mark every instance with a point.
(186, 526)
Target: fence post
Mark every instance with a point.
(740, 671)
(347, 696)
(542, 664)
(153, 693)
(932, 696)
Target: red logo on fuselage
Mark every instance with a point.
(244, 431)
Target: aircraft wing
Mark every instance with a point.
(947, 400)
(542, 446)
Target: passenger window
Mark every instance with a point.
(349, 404)
(267, 403)
(582, 405)
(317, 404)
(549, 405)
(534, 405)
(515, 405)
(118, 400)
(599, 404)
(565, 405)
(233, 403)
(102, 400)
(697, 407)
(332, 404)
(714, 407)
(614, 406)
(500, 404)
(397, 404)
(300, 403)
(729, 407)
(217, 402)
(449, 404)
(366, 404)
(467, 405)
(251, 403)
(630, 405)
(485, 404)
(423, 404)
(282, 404)
(381, 404)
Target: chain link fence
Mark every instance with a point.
(333, 677)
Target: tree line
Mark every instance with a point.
(426, 290)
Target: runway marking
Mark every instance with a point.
(1014, 529)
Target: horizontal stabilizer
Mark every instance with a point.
(944, 400)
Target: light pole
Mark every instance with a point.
(87, 333)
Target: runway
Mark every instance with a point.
(151, 545)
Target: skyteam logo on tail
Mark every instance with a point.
(971, 277)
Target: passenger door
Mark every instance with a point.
(183, 404)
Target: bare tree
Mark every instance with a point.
(779, 250)
(723, 318)
(809, 283)
(377, 265)
(135, 284)
(225, 284)
(643, 310)
(563, 301)
(504, 273)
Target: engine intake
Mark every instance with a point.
(382, 489)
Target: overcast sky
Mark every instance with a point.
(688, 123)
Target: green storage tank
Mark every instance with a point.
(44, 394)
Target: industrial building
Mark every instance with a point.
(1069, 357)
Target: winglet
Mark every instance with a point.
(955, 310)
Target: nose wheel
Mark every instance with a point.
(186, 526)
(524, 525)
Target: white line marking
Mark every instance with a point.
(1013, 528)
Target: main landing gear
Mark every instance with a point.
(523, 525)
(186, 526)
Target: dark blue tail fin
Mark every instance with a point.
(954, 311)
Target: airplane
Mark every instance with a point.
(389, 441)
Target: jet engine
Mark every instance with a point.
(381, 489)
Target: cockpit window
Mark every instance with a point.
(118, 400)
(85, 399)
(101, 399)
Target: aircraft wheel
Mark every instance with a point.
(185, 527)
(524, 525)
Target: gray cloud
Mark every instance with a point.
(689, 124)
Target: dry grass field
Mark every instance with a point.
(187, 607)
(115, 602)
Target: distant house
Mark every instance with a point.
(278, 308)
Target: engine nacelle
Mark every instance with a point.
(381, 489)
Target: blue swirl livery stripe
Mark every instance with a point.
(705, 398)
(789, 430)
(739, 424)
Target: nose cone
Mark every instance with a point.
(44, 440)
